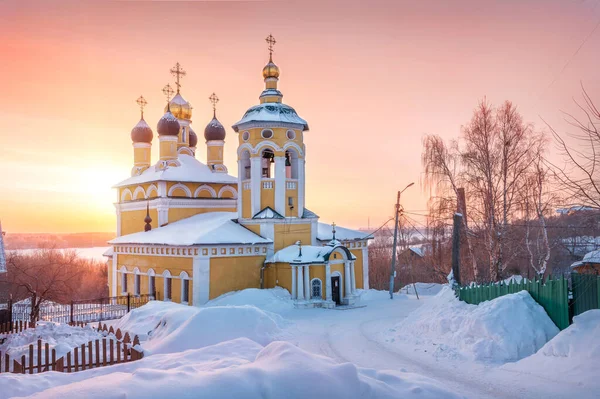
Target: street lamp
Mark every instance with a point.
(393, 270)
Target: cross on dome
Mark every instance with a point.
(333, 230)
(168, 92)
(141, 101)
(271, 41)
(214, 100)
(178, 72)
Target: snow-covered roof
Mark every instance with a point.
(590, 257)
(324, 233)
(2, 254)
(271, 112)
(190, 170)
(310, 254)
(268, 213)
(417, 250)
(108, 253)
(205, 228)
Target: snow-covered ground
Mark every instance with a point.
(254, 344)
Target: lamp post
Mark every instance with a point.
(393, 270)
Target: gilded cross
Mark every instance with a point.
(333, 230)
(271, 40)
(178, 72)
(141, 101)
(214, 100)
(168, 92)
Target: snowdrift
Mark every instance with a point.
(573, 355)
(505, 329)
(60, 337)
(423, 288)
(167, 327)
(276, 300)
(238, 369)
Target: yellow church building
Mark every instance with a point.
(189, 231)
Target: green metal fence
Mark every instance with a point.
(586, 292)
(552, 295)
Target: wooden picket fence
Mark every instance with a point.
(98, 353)
(15, 327)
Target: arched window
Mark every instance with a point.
(167, 285)
(124, 283)
(316, 291)
(136, 281)
(151, 283)
(185, 287)
(183, 134)
(291, 164)
(267, 161)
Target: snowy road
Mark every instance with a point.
(357, 336)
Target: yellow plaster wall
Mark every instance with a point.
(168, 150)
(267, 197)
(145, 186)
(291, 212)
(133, 221)
(247, 204)
(141, 156)
(318, 271)
(279, 137)
(233, 274)
(202, 194)
(358, 268)
(214, 155)
(288, 234)
(255, 228)
(175, 265)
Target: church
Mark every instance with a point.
(189, 231)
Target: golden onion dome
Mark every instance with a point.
(271, 70)
(180, 108)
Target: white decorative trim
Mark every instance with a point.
(205, 187)
(162, 188)
(167, 277)
(158, 203)
(314, 227)
(242, 148)
(123, 269)
(114, 275)
(301, 185)
(266, 143)
(228, 189)
(256, 174)
(184, 276)
(262, 133)
(181, 186)
(294, 288)
(306, 282)
(168, 138)
(240, 190)
(124, 192)
(138, 190)
(185, 150)
(201, 281)
(300, 281)
(365, 265)
(142, 145)
(336, 273)
(291, 144)
(215, 143)
(151, 189)
(151, 272)
(327, 282)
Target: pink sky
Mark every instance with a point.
(370, 77)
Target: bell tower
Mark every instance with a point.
(271, 153)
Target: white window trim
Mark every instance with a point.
(320, 297)
(184, 276)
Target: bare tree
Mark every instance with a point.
(579, 176)
(44, 275)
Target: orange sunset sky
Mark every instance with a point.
(371, 78)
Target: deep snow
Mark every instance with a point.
(356, 345)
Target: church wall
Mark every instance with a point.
(279, 136)
(288, 234)
(294, 195)
(234, 273)
(133, 221)
(175, 265)
(339, 267)
(318, 271)
(267, 197)
(284, 276)
(358, 267)
(247, 204)
(176, 214)
(204, 193)
(255, 228)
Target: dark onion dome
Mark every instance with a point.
(141, 133)
(214, 130)
(168, 125)
(193, 138)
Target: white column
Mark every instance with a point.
(327, 281)
(114, 275)
(365, 265)
(280, 201)
(201, 280)
(118, 210)
(162, 188)
(300, 281)
(353, 276)
(306, 282)
(240, 188)
(256, 176)
(301, 164)
(294, 290)
(347, 279)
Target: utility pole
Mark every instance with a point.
(456, 247)
(393, 270)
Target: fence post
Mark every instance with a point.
(72, 318)
(10, 312)
(128, 302)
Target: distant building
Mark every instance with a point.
(590, 264)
